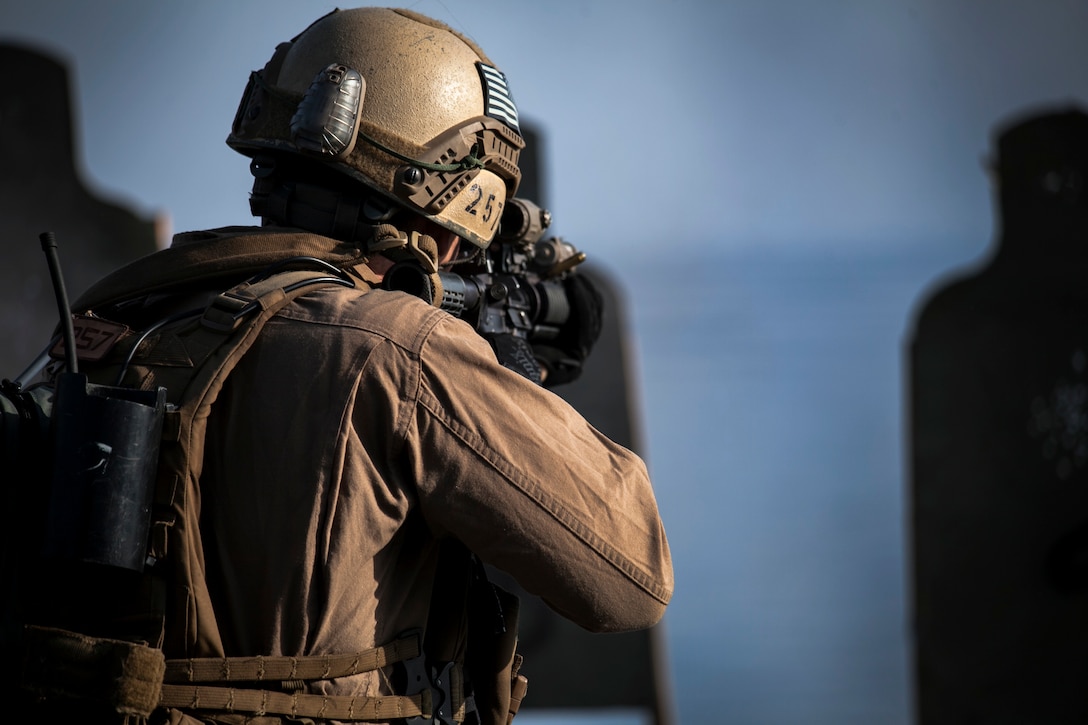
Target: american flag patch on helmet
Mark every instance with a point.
(498, 103)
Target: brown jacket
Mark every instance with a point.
(365, 427)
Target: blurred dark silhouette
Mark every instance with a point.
(999, 450)
(41, 190)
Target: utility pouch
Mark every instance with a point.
(492, 662)
(106, 446)
(110, 675)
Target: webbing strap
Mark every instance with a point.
(268, 702)
(228, 310)
(213, 344)
(258, 669)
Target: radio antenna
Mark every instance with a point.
(49, 246)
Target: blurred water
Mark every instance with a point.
(771, 401)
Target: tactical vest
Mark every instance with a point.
(103, 656)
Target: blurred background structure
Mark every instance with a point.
(774, 184)
(998, 409)
(42, 191)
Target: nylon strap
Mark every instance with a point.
(229, 309)
(209, 347)
(268, 702)
(258, 669)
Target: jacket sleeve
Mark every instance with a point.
(522, 479)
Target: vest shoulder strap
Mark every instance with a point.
(211, 344)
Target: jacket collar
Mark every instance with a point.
(230, 253)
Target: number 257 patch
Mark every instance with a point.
(478, 206)
(94, 336)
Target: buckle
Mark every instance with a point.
(226, 311)
(438, 680)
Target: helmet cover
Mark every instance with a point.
(399, 102)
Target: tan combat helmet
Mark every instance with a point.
(399, 102)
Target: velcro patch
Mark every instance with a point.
(95, 337)
(498, 102)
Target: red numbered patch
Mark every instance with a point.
(95, 337)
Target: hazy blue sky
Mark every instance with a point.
(775, 181)
(689, 123)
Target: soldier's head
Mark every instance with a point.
(374, 119)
